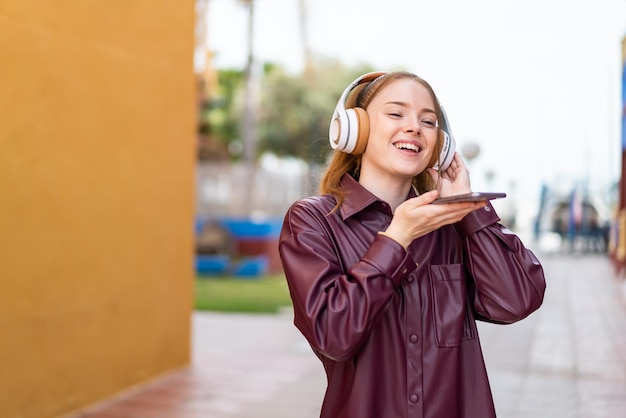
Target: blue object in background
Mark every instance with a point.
(251, 267)
(242, 265)
(215, 265)
(245, 228)
(212, 264)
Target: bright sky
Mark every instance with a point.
(536, 83)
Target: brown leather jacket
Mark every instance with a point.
(395, 329)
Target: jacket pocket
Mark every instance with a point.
(449, 304)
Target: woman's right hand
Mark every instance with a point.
(416, 217)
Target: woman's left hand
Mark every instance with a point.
(454, 180)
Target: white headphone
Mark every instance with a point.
(349, 126)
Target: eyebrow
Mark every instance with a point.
(404, 104)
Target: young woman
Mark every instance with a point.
(387, 286)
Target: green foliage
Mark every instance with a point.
(222, 113)
(231, 294)
(293, 111)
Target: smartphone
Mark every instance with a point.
(470, 197)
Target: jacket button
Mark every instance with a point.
(414, 398)
(405, 270)
(413, 338)
(409, 279)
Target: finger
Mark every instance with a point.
(428, 197)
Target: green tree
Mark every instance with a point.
(292, 114)
(295, 110)
(220, 116)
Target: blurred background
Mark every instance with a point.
(148, 152)
(533, 92)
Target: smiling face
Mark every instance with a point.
(403, 132)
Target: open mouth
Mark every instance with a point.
(407, 146)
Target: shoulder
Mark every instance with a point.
(313, 205)
(310, 212)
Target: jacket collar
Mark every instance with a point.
(358, 197)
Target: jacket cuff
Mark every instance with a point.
(390, 258)
(477, 220)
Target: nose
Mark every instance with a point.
(412, 126)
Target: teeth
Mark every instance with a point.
(402, 145)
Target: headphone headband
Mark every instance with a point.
(365, 78)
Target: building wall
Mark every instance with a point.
(97, 148)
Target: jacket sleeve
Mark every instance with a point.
(336, 306)
(508, 279)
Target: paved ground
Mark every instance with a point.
(567, 360)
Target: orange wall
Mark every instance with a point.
(97, 147)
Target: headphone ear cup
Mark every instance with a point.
(337, 132)
(354, 132)
(362, 131)
(349, 128)
(448, 147)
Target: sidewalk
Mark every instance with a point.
(567, 360)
